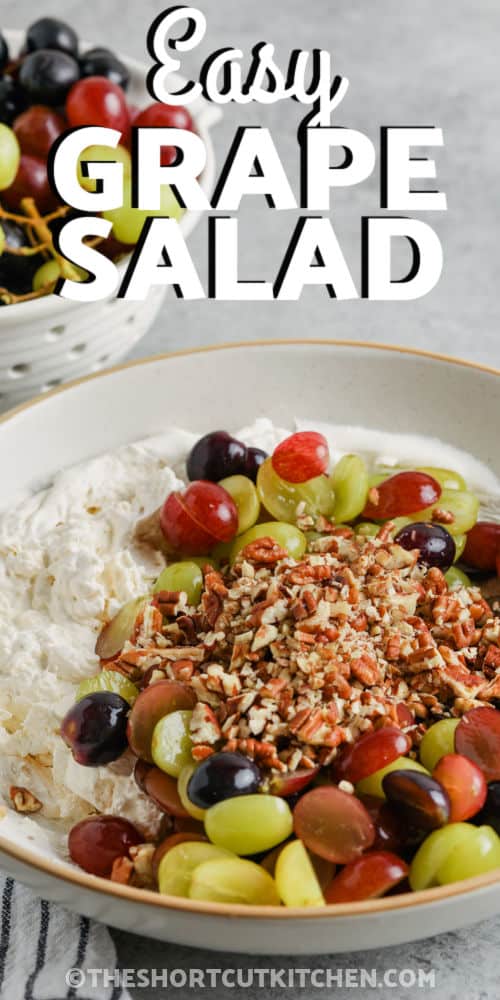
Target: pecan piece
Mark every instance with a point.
(23, 800)
(263, 550)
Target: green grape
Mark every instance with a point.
(108, 680)
(128, 221)
(460, 543)
(350, 483)
(203, 561)
(10, 156)
(186, 576)
(46, 275)
(463, 505)
(295, 877)
(102, 154)
(171, 744)
(436, 848)
(457, 578)
(372, 785)
(282, 499)
(438, 741)
(233, 880)
(312, 536)
(446, 478)
(49, 272)
(2, 240)
(182, 783)
(176, 867)
(248, 824)
(246, 498)
(286, 535)
(367, 529)
(468, 859)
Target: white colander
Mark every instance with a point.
(47, 341)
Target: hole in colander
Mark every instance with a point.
(51, 384)
(18, 371)
(131, 319)
(56, 331)
(77, 350)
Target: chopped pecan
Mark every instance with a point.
(122, 870)
(264, 550)
(204, 727)
(23, 800)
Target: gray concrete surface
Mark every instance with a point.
(408, 63)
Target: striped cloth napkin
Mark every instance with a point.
(41, 946)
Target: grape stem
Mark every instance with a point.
(42, 230)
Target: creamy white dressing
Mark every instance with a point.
(67, 559)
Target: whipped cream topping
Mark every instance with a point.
(68, 562)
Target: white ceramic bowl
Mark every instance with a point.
(345, 383)
(47, 341)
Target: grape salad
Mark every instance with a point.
(259, 668)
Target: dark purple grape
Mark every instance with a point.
(4, 53)
(437, 547)
(50, 33)
(47, 75)
(12, 100)
(420, 800)
(96, 842)
(216, 456)
(223, 776)
(490, 813)
(255, 458)
(16, 272)
(95, 729)
(103, 62)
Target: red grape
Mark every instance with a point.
(477, 737)
(301, 456)
(195, 520)
(465, 784)
(165, 116)
(418, 798)
(141, 770)
(483, 545)
(97, 101)
(187, 824)
(37, 128)
(371, 752)
(292, 781)
(96, 842)
(153, 703)
(367, 877)
(402, 494)
(162, 788)
(333, 824)
(31, 182)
